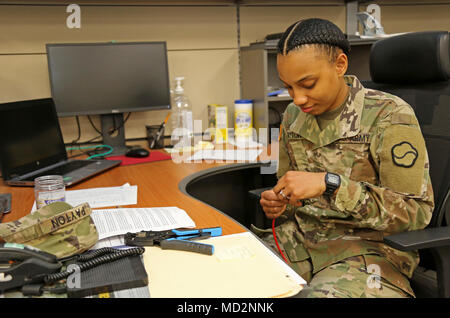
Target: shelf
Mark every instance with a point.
(279, 99)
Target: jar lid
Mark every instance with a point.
(243, 101)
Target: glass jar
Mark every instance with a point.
(48, 189)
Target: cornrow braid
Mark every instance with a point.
(317, 31)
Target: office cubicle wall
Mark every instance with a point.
(203, 38)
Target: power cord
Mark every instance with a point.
(90, 262)
(73, 142)
(93, 126)
(114, 123)
(276, 241)
(85, 261)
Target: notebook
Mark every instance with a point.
(31, 145)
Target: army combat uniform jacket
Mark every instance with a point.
(377, 148)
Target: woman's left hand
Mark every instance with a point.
(299, 185)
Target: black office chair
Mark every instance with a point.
(416, 67)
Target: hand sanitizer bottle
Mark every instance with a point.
(182, 121)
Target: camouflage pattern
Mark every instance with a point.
(377, 148)
(57, 228)
(350, 278)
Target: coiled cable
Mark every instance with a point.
(94, 259)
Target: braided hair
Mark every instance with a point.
(324, 34)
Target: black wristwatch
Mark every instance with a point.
(332, 181)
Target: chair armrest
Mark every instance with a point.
(256, 194)
(420, 239)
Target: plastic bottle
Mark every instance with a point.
(243, 115)
(182, 121)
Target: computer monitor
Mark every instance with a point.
(109, 79)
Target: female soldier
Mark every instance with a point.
(353, 168)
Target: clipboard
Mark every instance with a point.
(241, 267)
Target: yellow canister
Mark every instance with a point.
(243, 118)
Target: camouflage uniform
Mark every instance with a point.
(57, 228)
(377, 148)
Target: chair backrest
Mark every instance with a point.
(416, 67)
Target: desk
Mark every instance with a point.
(213, 194)
(157, 186)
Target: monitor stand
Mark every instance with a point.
(113, 133)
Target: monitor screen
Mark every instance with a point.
(105, 78)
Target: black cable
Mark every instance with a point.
(114, 123)
(79, 130)
(91, 263)
(121, 125)
(93, 126)
(73, 142)
(88, 255)
(93, 254)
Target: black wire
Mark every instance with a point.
(91, 263)
(114, 123)
(98, 131)
(93, 126)
(79, 130)
(86, 151)
(73, 142)
(121, 125)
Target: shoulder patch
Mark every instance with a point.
(402, 159)
(404, 154)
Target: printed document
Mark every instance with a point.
(102, 197)
(113, 222)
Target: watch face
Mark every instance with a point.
(334, 179)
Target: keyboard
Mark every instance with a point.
(65, 168)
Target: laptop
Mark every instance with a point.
(31, 145)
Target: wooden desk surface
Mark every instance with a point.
(157, 187)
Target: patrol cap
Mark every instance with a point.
(57, 228)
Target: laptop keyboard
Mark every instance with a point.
(65, 168)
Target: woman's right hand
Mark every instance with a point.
(273, 207)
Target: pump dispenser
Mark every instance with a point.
(182, 121)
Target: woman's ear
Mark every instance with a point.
(341, 64)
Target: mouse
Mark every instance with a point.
(137, 153)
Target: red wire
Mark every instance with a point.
(276, 241)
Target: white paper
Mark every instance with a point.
(113, 241)
(113, 222)
(102, 197)
(289, 271)
(226, 155)
(245, 143)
